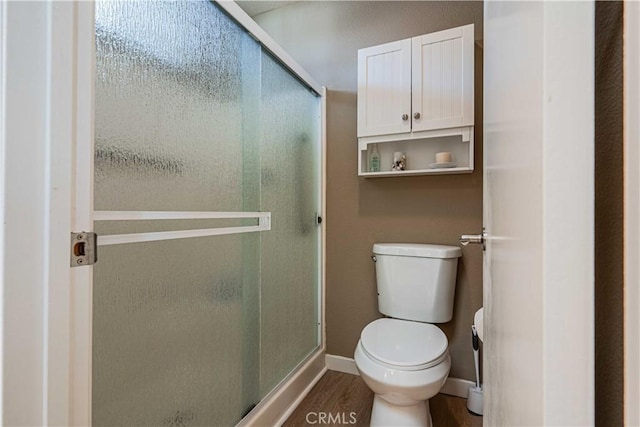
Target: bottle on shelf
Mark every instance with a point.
(374, 159)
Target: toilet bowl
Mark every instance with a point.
(405, 363)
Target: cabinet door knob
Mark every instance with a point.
(416, 116)
(405, 117)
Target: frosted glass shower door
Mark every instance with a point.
(289, 321)
(172, 343)
(206, 195)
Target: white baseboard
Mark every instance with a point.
(453, 386)
(456, 387)
(341, 364)
(276, 407)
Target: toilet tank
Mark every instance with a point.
(416, 281)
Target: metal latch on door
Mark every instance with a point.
(84, 249)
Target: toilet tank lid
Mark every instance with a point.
(417, 250)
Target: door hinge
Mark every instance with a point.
(84, 249)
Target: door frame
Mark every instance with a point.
(42, 118)
(631, 77)
(82, 218)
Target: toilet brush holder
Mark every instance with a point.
(475, 394)
(475, 398)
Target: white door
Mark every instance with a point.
(538, 212)
(442, 79)
(384, 89)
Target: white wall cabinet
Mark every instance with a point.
(414, 91)
(384, 89)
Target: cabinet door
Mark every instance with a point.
(442, 79)
(384, 89)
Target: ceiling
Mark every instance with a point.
(257, 7)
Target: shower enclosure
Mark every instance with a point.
(206, 205)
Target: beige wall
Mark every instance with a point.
(324, 37)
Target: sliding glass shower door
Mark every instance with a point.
(206, 195)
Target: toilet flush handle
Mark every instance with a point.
(373, 258)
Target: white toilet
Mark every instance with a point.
(405, 359)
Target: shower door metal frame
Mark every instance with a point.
(245, 21)
(82, 44)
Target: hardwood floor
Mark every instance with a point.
(343, 399)
(451, 411)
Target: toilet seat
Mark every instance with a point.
(403, 344)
